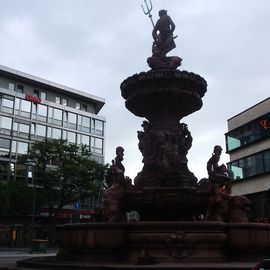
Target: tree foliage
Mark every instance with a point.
(16, 200)
(64, 172)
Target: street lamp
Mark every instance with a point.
(30, 170)
(76, 190)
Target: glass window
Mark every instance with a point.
(5, 124)
(98, 159)
(25, 108)
(58, 100)
(24, 128)
(250, 166)
(21, 130)
(33, 131)
(86, 124)
(11, 86)
(4, 147)
(64, 101)
(42, 111)
(97, 127)
(71, 120)
(96, 145)
(22, 148)
(40, 131)
(43, 95)
(83, 139)
(266, 157)
(55, 116)
(35, 93)
(19, 88)
(71, 137)
(78, 105)
(22, 107)
(84, 107)
(255, 130)
(7, 105)
(54, 133)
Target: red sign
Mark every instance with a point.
(33, 98)
(265, 123)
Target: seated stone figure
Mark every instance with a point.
(226, 208)
(218, 174)
(112, 197)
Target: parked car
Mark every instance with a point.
(262, 265)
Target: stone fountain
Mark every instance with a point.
(166, 195)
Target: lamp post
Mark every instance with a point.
(76, 189)
(30, 169)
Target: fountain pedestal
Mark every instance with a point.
(166, 186)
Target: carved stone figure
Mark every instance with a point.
(180, 244)
(112, 203)
(239, 206)
(119, 158)
(164, 40)
(112, 197)
(218, 174)
(218, 207)
(227, 208)
(164, 149)
(163, 43)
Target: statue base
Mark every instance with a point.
(157, 62)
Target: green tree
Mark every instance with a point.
(16, 200)
(64, 172)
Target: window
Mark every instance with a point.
(84, 107)
(4, 148)
(7, 105)
(250, 166)
(58, 100)
(43, 95)
(22, 107)
(11, 86)
(266, 159)
(19, 88)
(5, 125)
(78, 106)
(83, 139)
(64, 101)
(35, 93)
(248, 133)
(97, 127)
(70, 120)
(96, 145)
(40, 131)
(39, 112)
(6, 169)
(71, 137)
(54, 133)
(84, 123)
(21, 129)
(18, 148)
(55, 116)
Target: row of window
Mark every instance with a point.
(251, 132)
(16, 148)
(43, 95)
(250, 166)
(51, 115)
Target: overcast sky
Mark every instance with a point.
(93, 45)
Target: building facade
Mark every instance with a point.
(248, 144)
(33, 109)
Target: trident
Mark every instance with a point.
(148, 10)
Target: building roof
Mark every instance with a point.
(250, 108)
(98, 101)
